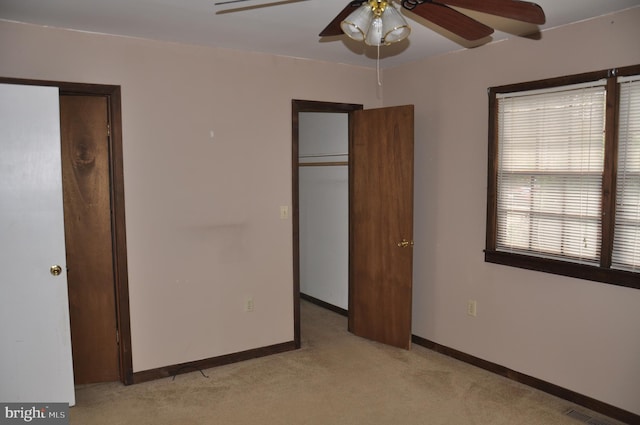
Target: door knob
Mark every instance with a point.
(405, 243)
(55, 270)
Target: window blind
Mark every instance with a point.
(626, 242)
(550, 165)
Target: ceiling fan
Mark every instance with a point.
(440, 13)
(378, 21)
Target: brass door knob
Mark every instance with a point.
(405, 243)
(55, 270)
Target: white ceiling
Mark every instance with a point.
(289, 29)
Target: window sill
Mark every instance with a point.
(563, 268)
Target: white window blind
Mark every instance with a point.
(626, 242)
(550, 165)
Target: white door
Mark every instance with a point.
(35, 353)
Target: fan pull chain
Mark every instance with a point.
(378, 67)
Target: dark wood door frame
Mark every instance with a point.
(118, 231)
(298, 106)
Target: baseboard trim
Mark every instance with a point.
(177, 369)
(547, 387)
(341, 311)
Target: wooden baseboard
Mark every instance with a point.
(324, 304)
(547, 387)
(177, 369)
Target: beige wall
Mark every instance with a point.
(581, 335)
(203, 215)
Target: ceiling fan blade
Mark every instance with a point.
(220, 3)
(450, 19)
(519, 10)
(255, 6)
(334, 26)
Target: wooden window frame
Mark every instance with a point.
(602, 273)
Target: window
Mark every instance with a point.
(626, 241)
(564, 176)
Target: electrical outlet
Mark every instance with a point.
(472, 308)
(284, 212)
(248, 305)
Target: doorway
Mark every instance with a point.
(299, 107)
(108, 97)
(323, 199)
(380, 219)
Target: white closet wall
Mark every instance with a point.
(324, 206)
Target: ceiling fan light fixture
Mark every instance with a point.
(394, 27)
(376, 22)
(374, 34)
(357, 24)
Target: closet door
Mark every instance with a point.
(381, 225)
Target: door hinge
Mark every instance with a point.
(108, 130)
(117, 336)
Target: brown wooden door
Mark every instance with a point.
(381, 217)
(87, 209)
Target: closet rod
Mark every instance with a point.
(323, 164)
(323, 155)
